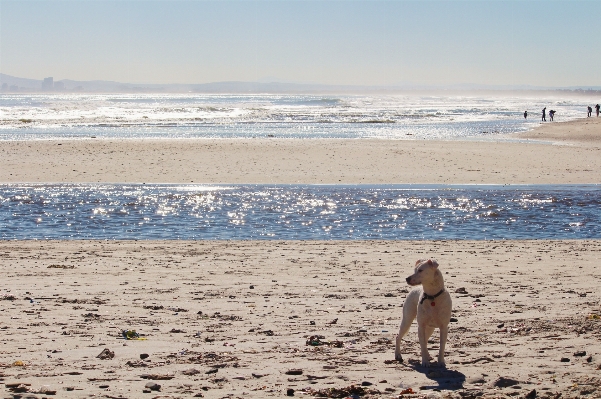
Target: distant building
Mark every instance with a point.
(59, 86)
(48, 83)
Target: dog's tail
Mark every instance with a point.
(409, 311)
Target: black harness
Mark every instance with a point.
(430, 297)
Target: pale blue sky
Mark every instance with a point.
(549, 43)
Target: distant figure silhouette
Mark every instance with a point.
(597, 108)
(525, 114)
(590, 112)
(551, 115)
(544, 115)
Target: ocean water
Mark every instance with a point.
(298, 212)
(48, 116)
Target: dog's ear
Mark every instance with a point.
(432, 263)
(419, 261)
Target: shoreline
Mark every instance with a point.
(412, 186)
(542, 130)
(233, 317)
(318, 161)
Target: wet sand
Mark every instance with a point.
(232, 319)
(582, 132)
(574, 158)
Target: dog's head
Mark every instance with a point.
(424, 270)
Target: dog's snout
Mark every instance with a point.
(408, 280)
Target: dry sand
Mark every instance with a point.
(576, 160)
(229, 319)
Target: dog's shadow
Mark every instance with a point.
(444, 377)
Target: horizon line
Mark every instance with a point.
(311, 86)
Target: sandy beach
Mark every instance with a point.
(232, 319)
(262, 319)
(225, 199)
(574, 157)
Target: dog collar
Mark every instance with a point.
(430, 297)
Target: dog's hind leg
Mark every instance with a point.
(443, 341)
(409, 314)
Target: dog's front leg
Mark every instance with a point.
(443, 341)
(423, 343)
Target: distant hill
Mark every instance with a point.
(21, 82)
(105, 86)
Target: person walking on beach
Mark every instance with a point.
(544, 115)
(551, 115)
(590, 112)
(525, 114)
(597, 109)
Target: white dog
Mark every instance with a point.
(432, 306)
